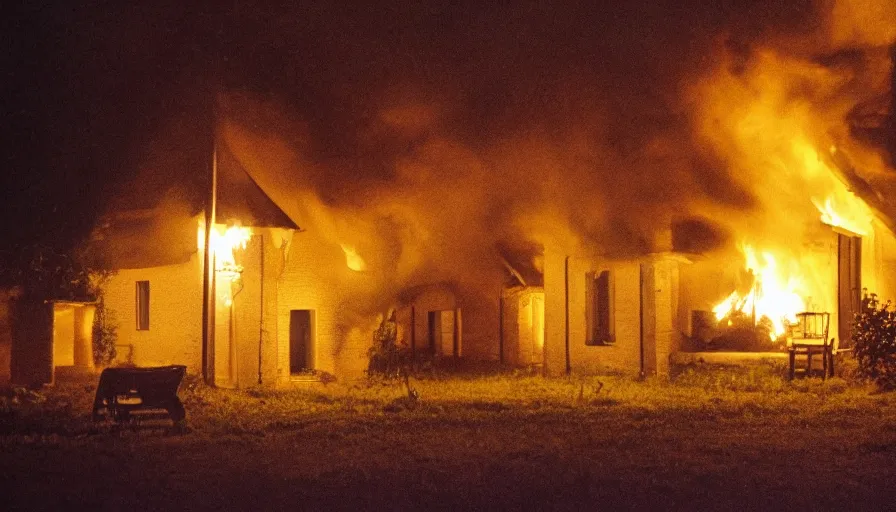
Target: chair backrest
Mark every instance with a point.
(812, 325)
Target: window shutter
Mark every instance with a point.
(599, 308)
(142, 305)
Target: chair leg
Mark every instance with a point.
(792, 362)
(824, 363)
(808, 362)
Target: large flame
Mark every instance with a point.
(224, 240)
(772, 294)
(773, 118)
(840, 207)
(852, 217)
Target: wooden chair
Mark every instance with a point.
(809, 336)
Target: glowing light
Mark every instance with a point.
(771, 295)
(840, 208)
(223, 242)
(352, 259)
(855, 216)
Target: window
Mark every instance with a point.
(142, 305)
(599, 308)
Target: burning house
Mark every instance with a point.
(156, 244)
(699, 210)
(818, 235)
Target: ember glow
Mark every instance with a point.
(772, 295)
(352, 259)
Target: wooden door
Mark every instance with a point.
(301, 344)
(849, 289)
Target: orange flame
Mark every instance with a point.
(353, 260)
(223, 242)
(771, 295)
(849, 213)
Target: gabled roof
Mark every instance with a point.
(153, 220)
(240, 197)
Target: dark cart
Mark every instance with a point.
(123, 390)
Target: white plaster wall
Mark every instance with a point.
(175, 314)
(313, 277)
(624, 355)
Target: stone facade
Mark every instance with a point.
(644, 294)
(175, 315)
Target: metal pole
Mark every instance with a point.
(261, 305)
(566, 313)
(501, 327)
(208, 274)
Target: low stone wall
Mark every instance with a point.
(728, 358)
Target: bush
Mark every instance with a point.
(105, 328)
(387, 357)
(105, 335)
(874, 338)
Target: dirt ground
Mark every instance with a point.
(481, 444)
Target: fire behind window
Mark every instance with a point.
(599, 308)
(142, 305)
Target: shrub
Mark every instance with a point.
(105, 328)
(874, 338)
(387, 357)
(105, 335)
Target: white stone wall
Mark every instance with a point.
(622, 356)
(625, 354)
(175, 315)
(316, 278)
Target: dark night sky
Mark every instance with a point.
(89, 90)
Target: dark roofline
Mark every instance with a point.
(846, 172)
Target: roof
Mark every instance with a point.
(240, 197)
(875, 195)
(153, 220)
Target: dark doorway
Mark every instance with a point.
(849, 275)
(31, 353)
(301, 340)
(443, 334)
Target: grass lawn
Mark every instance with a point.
(711, 440)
